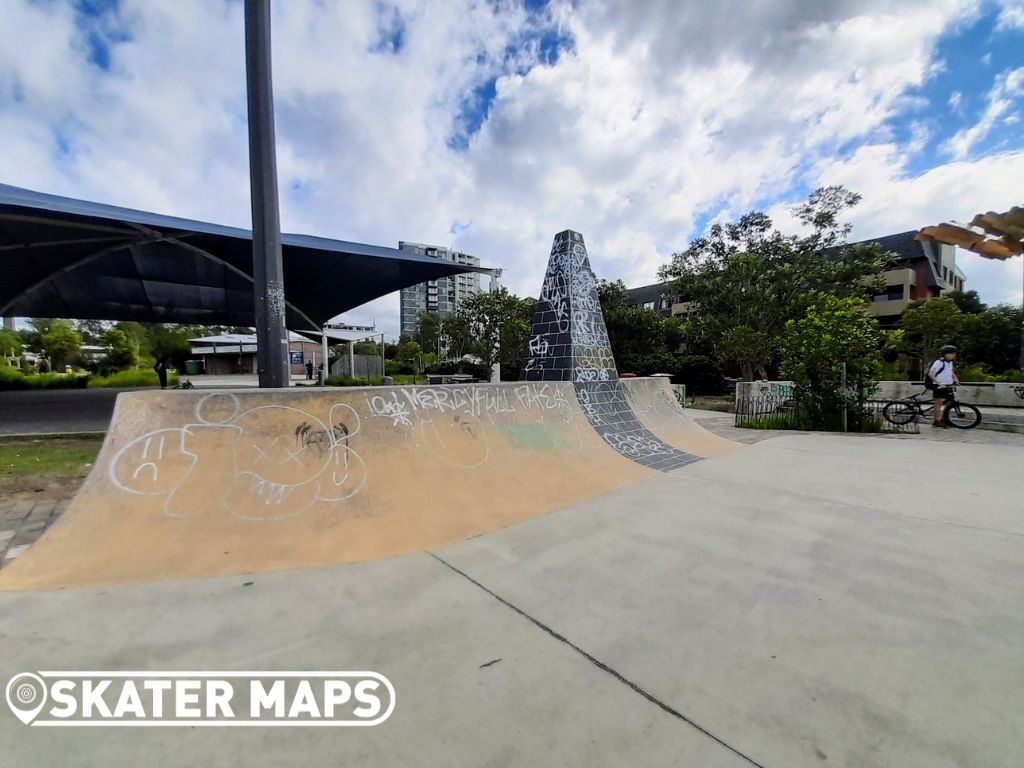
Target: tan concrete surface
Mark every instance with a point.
(192, 484)
(656, 407)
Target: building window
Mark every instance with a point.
(648, 305)
(892, 293)
(666, 303)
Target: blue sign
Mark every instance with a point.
(296, 358)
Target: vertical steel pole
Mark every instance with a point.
(326, 357)
(268, 283)
(845, 404)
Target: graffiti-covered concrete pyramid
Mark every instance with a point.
(569, 342)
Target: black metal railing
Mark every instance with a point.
(774, 412)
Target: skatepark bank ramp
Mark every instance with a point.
(192, 484)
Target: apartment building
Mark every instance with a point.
(921, 268)
(440, 296)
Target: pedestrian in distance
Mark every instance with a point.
(161, 371)
(940, 379)
(309, 370)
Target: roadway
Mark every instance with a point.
(49, 411)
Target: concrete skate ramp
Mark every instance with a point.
(192, 484)
(657, 409)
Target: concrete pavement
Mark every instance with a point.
(812, 600)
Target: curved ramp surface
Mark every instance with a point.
(192, 484)
(658, 410)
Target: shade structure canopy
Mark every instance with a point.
(72, 258)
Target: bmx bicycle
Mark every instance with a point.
(954, 413)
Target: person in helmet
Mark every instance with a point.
(942, 378)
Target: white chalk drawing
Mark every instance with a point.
(273, 475)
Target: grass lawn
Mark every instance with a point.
(725, 403)
(26, 462)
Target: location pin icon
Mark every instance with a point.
(26, 695)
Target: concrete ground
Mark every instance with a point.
(811, 600)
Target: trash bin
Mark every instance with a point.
(193, 367)
(387, 381)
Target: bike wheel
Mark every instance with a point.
(961, 416)
(899, 412)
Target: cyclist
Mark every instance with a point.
(942, 377)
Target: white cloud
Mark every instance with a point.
(1008, 86)
(895, 201)
(1011, 17)
(663, 114)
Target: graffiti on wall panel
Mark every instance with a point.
(281, 461)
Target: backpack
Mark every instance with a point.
(929, 382)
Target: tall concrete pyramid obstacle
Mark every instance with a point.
(569, 342)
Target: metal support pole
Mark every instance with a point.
(845, 404)
(493, 288)
(351, 359)
(1022, 316)
(383, 365)
(324, 361)
(268, 274)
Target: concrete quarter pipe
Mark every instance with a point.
(191, 483)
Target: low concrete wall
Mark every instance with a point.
(680, 393)
(993, 395)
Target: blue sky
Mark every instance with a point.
(492, 125)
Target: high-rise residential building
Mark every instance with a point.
(440, 296)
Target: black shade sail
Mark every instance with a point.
(71, 258)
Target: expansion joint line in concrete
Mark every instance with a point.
(598, 663)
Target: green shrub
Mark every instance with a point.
(976, 372)
(132, 378)
(783, 420)
(892, 371)
(348, 381)
(13, 379)
(700, 374)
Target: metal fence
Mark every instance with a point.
(773, 412)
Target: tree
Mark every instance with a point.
(169, 341)
(642, 340)
(91, 331)
(748, 274)
(970, 303)
(10, 343)
(499, 323)
(992, 338)
(927, 325)
(748, 348)
(61, 341)
(137, 332)
(32, 336)
(122, 351)
(367, 348)
(408, 352)
(447, 336)
(833, 331)
(612, 294)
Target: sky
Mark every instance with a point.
(491, 125)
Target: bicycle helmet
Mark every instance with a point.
(947, 349)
